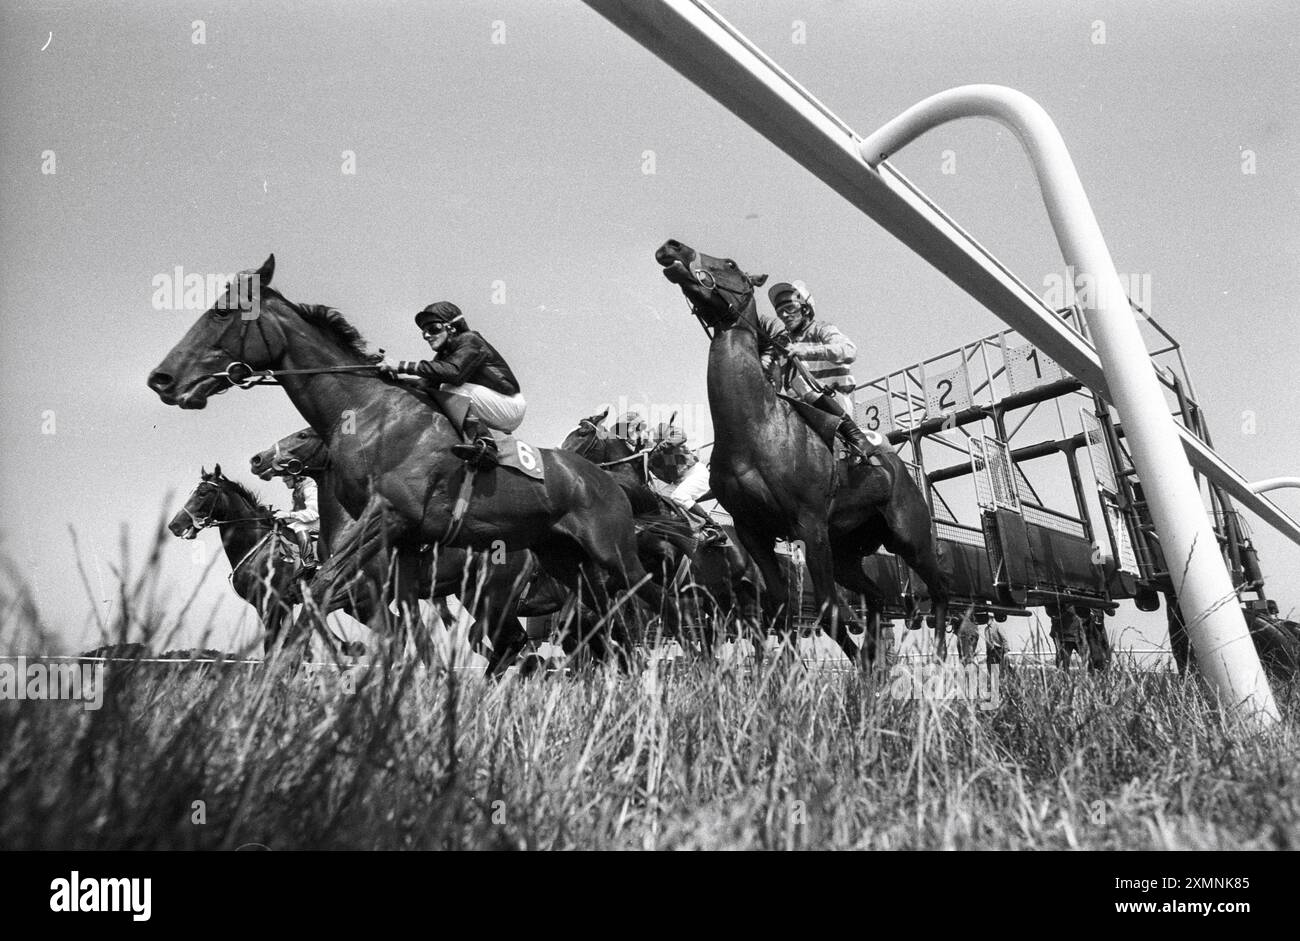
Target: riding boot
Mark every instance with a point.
(857, 440)
(307, 563)
(848, 429)
(481, 449)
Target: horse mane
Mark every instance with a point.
(334, 323)
(246, 493)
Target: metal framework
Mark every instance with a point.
(701, 45)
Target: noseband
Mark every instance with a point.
(203, 522)
(735, 310)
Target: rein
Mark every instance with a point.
(240, 374)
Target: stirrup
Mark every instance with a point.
(712, 536)
(478, 453)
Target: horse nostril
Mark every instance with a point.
(256, 460)
(160, 381)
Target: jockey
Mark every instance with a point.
(304, 518)
(676, 472)
(823, 349)
(632, 428)
(465, 363)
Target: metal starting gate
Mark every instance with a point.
(691, 37)
(1077, 534)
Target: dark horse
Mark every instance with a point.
(261, 558)
(715, 580)
(390, 448)
(495, 588)
(777, 475)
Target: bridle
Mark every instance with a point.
(735, 309)
(294, 466)
(240, 373)
(201, 523)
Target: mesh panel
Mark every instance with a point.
(994, 474)
(1102, 468)
(1003, 478)
(980, 474)
(955, 532)
(1046, 518)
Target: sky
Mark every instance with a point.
(525, 160)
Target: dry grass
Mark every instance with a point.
(726, 757)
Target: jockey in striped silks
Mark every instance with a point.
(822, 349)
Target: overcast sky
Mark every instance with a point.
(501, 152)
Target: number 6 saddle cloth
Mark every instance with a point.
(519, 455)
(514, 454)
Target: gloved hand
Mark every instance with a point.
(388, 369)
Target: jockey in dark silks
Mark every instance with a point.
(821, 348)
(465, 363)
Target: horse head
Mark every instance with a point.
(590, 439)
(719, 292)
(231, 332)
(302, 452)
(200, 507)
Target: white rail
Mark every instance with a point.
(697, 42)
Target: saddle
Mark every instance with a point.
(513, 453)
(826, 426)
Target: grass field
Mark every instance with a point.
(395, 755)
(722, 758)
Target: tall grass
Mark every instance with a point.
(721, 756)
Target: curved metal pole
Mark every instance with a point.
(1275, 483)
(1206, 596)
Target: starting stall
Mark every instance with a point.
(1033, 492)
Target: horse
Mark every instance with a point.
(774, 468)
(390, 447)
(260, 554)
(498, 592)
(716, 578)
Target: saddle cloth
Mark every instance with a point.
(519, 455)
(515, 454)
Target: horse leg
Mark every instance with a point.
(837, 618)
(272, 624)
(406, 592)
(611, 549)
(561, 558)
(367, 541)
(849, 573)
(924, 561)
(775, 598)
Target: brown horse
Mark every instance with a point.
(495, 590)
(261, 560)
(715, 579)
(390, 448)
(777, 475)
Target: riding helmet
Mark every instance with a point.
(441, 312)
